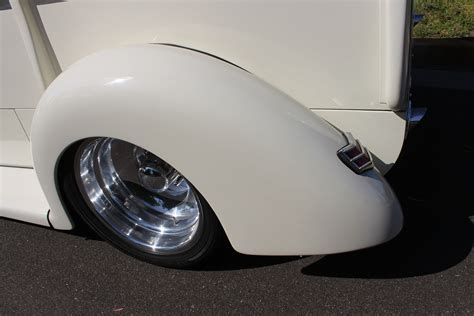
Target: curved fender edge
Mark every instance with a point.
(267, 165)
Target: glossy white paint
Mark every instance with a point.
(21, 87)
(326, 54)
(36, 41)
(382, 132)
(265, 163)
(395, 38)
(20, 79)
(26, 118)
(14, 145)
(21, 197)
(307, 62)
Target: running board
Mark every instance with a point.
(21, 196)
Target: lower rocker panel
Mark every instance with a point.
(21, 196)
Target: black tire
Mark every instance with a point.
(76, 200)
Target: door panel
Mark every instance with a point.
(14, 144)
(20, 85)
(26, 118)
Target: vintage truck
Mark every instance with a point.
(168, 126)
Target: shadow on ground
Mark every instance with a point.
(223, 259)
(433, 180)
(226, 259)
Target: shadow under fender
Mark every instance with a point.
(267, 165)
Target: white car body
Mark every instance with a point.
(262, 156)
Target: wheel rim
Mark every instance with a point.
(139, 196)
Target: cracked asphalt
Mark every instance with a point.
(427, 269)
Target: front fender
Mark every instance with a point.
(267, 165)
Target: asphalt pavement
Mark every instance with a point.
(427, 269)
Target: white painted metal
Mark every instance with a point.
(326, 54)
(36, 42)
(14, 145)
(382, 132)
(266, 164)
(21, 197)
(26, 117)
(395, 41)
(359, 62)
(20, 80)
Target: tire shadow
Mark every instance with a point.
(224, 258)
(227, 259)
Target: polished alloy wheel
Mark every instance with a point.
(140, 197)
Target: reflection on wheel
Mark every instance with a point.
(142, 204)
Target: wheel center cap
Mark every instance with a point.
(153, 178)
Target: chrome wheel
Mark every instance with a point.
(148, 203)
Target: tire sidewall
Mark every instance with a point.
(207, 234)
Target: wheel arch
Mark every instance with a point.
(264, 162)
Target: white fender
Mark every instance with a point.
(266, 164)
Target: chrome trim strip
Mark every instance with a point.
(357, 157)
(352, 142)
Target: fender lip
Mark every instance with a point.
(378, 221)
(265, 164)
